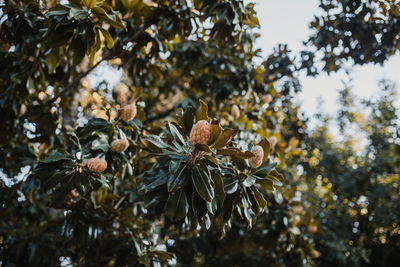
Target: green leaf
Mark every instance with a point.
(249, 181)
(228, 206)
(101, 143)
(176, 134)
(113, 20)
(151, 182)
(209, 159)
(202, 111)
(78, 13)
(202, 147)
(99, 10)
(188, 117)
(89, 3)
(156, 140)
(231, 184)
(219, 187)
(177, 206)
(276, 175)
(264, 169)
(259, 197)
(235, 152)
(107, 36)
(202, 183)
(77, 49)
(56, 156)
(225, 138)
(173, 166)
(129, 4)
(57, 11)
(267, 184)
(176, 179)
(216, 131)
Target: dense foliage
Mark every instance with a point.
(199, 155)
(357, 31)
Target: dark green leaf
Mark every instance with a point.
(202, 183)
(177, 206)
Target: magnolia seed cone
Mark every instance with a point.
(97, 165)
(257, 160)
(128, 113)
(121, 98)
(312, 229)
(200, 133)
(235, 111)
(119, 145)
(121, 88)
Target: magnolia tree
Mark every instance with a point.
(96, 174)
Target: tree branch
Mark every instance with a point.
(79, 78)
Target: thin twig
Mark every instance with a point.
(78, 79)
(119, 202)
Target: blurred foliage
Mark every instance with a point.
(357, 31)
(354, 191)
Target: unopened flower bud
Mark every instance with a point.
(119, 145)
(312, 229)
(22, 109)
(97, 165)
(121, 91)
(235, 111)
(267, 98)
(200, 133)
(296, 220)
(257, 160)
(298, 209)
(129, 112)
(121, 88)
(272, 141)
(121, 98)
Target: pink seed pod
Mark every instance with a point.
(267, 98)
(97, 165)
(119, 145)
(200, 133)
(128, 113)
(257, 160)
(312, 229)
(121, 88)
(272, 141)
(121, 98)
(235, 111)
(22, 109)
(296, 220)
(298, 209)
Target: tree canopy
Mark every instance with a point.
(200, 155)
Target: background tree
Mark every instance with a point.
(354, 192)
(354, 31)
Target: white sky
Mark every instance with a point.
(286, 21)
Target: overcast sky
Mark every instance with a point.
(286, 21)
